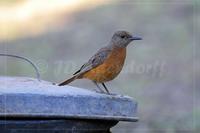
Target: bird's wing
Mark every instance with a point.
(95, 60)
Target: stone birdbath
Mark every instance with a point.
(30, 106)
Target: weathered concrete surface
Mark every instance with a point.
(26, 97)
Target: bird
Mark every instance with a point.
(107, 63)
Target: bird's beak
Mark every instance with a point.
(135, 38)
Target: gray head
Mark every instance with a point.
(123, 38)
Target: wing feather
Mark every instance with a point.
(95, 60)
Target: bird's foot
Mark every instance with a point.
(112, 94)
(102, 92)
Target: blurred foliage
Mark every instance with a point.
(167, 98)
(9, 1)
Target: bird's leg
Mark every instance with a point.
(105, 88)
(101, 91)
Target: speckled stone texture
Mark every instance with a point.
(27, 98)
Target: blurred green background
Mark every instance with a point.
(161, 71)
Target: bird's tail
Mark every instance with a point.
(68, 81)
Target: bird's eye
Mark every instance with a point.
(122, 36)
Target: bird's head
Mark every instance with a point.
(123, 38)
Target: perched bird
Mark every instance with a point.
(107, 63)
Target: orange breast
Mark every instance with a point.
(110, 68)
